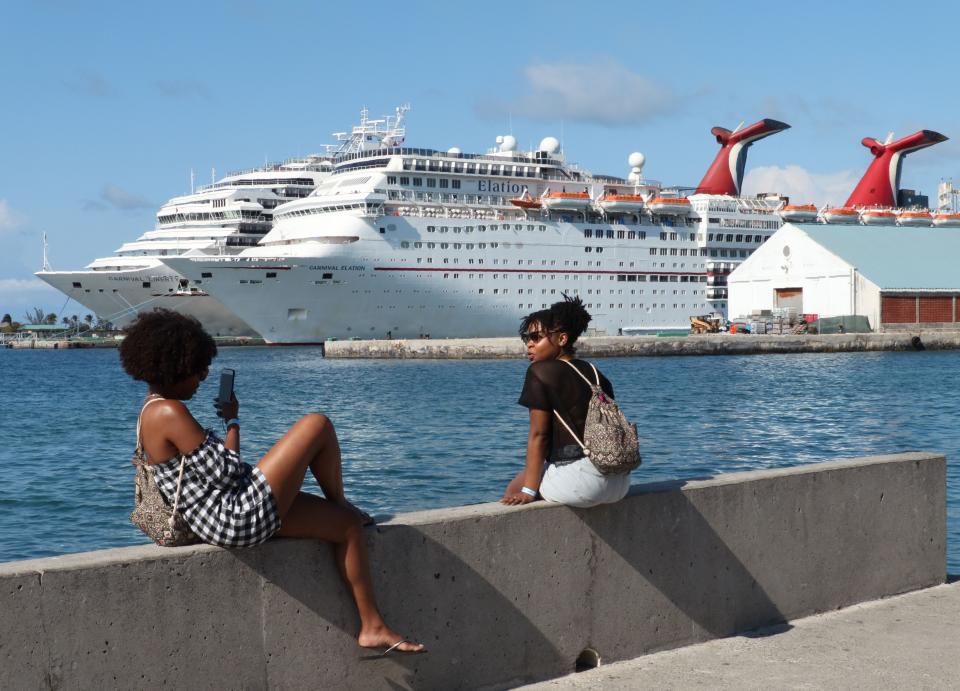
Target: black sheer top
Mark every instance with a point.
(552, 385)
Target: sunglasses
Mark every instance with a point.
(532, 337)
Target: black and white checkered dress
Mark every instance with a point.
(224, 500)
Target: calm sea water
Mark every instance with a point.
(427, 434)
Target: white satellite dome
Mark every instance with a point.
(549, 144)
(507, 142)
(454, 150)
(636, 160)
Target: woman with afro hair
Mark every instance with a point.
(227, 502)
(556, 387)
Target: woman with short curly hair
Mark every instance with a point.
(227, 502)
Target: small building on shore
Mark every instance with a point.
(896, 277)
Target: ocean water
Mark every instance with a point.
(428, 434)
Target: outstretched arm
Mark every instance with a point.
(538, 445)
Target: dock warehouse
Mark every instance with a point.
(897, 277)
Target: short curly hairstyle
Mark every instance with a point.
(569, 315)
(163, 348)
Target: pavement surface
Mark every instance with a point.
(909, 641)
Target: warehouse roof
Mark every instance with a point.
(895, 258)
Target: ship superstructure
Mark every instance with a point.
(222, 218)
(409, 242)
(878, 199)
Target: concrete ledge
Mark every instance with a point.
(636, 346)
(502, 596)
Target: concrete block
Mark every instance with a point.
(24, 652)
(185, 621)
(501, 595)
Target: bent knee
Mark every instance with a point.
(317, 421)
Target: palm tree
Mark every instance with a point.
(51, 318)
(36, 316)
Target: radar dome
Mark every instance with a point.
(636, 160)
(499, 139)
(507, 142)
(549, 144)
(454, 150)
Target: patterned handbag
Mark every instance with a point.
(151, 513)
(610, 441)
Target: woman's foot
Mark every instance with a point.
(389, 640)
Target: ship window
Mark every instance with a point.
(206, 274)
(271, 274)
(77, 284)
(431, 182)
(444, 183)
(418, 182)
(455, 184)
(588, 249)
(383, 231)
(588, 233)
(404, 180)
(621, 234)
(146, 284)
(431, 229)
(405, 244)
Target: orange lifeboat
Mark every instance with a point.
(525, 201)
(799, 213)
(944, 219)
(621, 203)
(670, 206)
(915, 218)
(878, 217)
(566, 201)
(841, 214)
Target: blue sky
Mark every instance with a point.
(108, 106)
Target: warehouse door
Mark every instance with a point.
(790, 297)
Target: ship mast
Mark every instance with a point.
(46, 261)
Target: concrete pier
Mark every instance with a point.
(902, 642)
(502, 596)
(639, 346)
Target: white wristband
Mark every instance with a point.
(233, 421)
(528, 491)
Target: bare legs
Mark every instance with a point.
(312, 443)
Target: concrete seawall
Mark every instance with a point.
(500, 595)
(636, 346)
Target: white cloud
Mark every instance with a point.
(604, 93)
(802, 186)
(18, 295)
(9, 221)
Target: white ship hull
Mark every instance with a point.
(118, 296)
(374, 288)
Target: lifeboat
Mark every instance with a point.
(799, 213)
(946, 220)
(566, 201)
(671, 206)
(915, 218)
(621, 203)
(878, 217)
(841, 214)
(525, 201)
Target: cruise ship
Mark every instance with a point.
(221, 219)
(407, 242)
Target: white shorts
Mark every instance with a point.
(580, 484)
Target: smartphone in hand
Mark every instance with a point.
(226, 386)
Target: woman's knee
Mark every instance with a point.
(317, 422)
